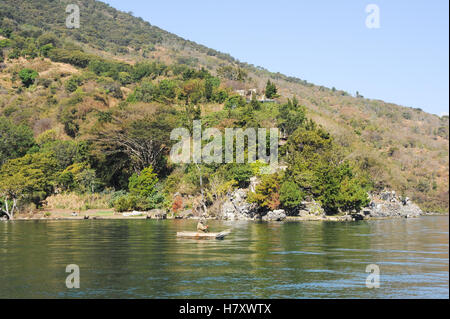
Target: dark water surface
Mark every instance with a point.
(144, 259)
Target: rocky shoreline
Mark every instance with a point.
(345, 218)
(383, 205)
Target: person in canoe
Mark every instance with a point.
(202, 227)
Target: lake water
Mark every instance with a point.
(144, 259)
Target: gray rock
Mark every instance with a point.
(309, 208)
(228, 211)
(253, 183)
(387, 204)
(366, 212)
(276, 215)
(356, 217)
(342, 218)
(156, 214)
(185, 214)
(238, 196)
(236, 207)
(303, 213)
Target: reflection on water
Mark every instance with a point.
(144, 259)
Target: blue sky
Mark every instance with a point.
(326, 42)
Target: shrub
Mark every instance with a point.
(14, 54)
(48, 38)
(143, 194)
(27, 76)
(142, 70)
(260, 168)
(114, 196)
(108, 68)
(143, 184)
(5, 43)
(315, 167)
(177, 204)
(290, 195)
(78, 177)
(220, 96)
(73, 83)
(76, 57)
(343, 191)
(232, 73)
(45, 49)
(15, 140)
(271, 90)
(167, 89)
(234, 102)
(241, 173)
(291, 116)
(125, 78)
(146, 92)
(134, 202)
(267, 193)
(122, 204)
(111, 87)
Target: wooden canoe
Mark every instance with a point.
(198, 235)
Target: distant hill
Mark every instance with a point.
(404, 149)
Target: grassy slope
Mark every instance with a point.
(405, 149)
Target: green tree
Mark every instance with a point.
(241, 173)
(192, 91)
(29, 178)
(291, 195)
(271, 90)
(267, 192)
(291, 116)
(309, 151)
(144, 183)
(125, 78)
(48, 38)
(45, 49)
(15, 140)
(167, 90)
(254, 103)
(316, 166)
(209, 88)
(143, 192)
(73, 83)
(234, 102)
(78, 177)
(27, 76)
(65, 152)
(342, 190)
(145, 69)
(220, 95)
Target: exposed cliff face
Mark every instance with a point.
(388, 204)
(309, 208)
(236, 207)
(383, 205)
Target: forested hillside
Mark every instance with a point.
(86, 114)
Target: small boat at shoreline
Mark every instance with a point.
(199, 235)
